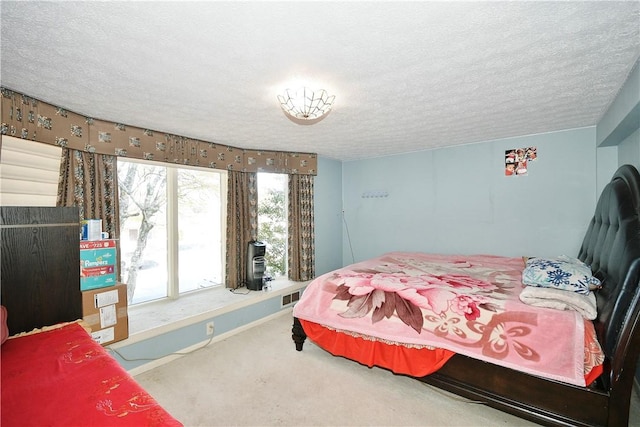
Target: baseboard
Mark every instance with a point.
(198, 346)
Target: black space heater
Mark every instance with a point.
(255, 265)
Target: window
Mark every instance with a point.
(172, 221)
(272, 221)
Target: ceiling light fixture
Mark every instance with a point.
(306, 106)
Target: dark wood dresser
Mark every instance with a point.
(40, 265)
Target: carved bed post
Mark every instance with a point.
(297, 334)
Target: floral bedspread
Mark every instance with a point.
(466, 304)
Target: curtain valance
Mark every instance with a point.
(28, 118)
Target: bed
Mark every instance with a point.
(468, 327)
(53, 372)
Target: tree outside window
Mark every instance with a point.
(272, 221)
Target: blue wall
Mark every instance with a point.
(138, 353)
(617, 134)
(458, 200)
(328, 215)
(629, 150)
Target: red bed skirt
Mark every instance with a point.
(416, 362)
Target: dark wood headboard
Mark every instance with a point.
(40, 266)
(612, 247)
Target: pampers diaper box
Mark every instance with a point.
(97, 264)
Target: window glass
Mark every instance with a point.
(199, 231)
(171, 229)
(143, 241)
(272, 221)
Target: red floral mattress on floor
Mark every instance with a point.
(62, 377)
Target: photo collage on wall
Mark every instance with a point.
(517, 159)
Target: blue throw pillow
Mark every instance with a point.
(565, 273)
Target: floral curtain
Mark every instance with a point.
(242, 224)
(89, 181)
(301, 229)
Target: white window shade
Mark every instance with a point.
(28, 172)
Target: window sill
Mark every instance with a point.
(154, 318)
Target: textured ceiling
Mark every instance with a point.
(407, 76)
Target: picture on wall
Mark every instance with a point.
(517, 159)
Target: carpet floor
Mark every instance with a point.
(256, 378)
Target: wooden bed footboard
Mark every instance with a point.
(543, 401)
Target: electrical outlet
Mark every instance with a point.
(210, 328)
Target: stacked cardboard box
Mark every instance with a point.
(105, 310)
